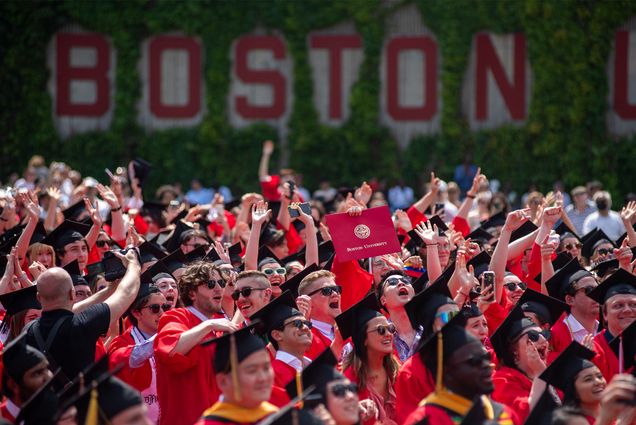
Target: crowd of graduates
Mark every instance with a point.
(122, 310)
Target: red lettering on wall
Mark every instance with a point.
(260, 76)
(621, 78)
(513, 94)
(428, 47)
(156, 48)
(67, 73)
(335, 44)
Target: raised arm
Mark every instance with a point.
(117, 227)
(518, 247)
(425, 201)
(192, 337)
(263, 166)
(93, 233)
(128, 287)
(547, 269)
(284, 219)
(311, 241)
(50, 222)
(29, 201)
(260, 214)
(430, 236)
(628, 215)
(467, 204)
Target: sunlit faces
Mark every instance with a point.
(604, 251)
(477, 327)
(380, 335)
(441, 315)
(207, 299)
(589, 385)
(148, 316)
(513, 288)
(135, 415)
(45, 257)
(572, 246)
(342, 402)
(379, 266)
(580, 302)
(276, 276)
(443, 251)
(169, 289)
(396, 291)
(619, 312)
(520, 348)
(324, 307)
(292, 338)
(255, 378)
(253, 294)
(75, 251)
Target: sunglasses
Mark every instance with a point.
(327, 291)
(446, 316)
(246, 292)
(299, 323)
(102, 244)
(534, 335)
(340, 390)
(587, 289)
(383, 329)
(603, 252)
(212, 283)
(396, 280)
(198, 245)
(154, 308)
(571, 246)
(511, 286)
(281, 271)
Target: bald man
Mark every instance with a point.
(68, 337)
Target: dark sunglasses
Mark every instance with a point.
(340, 390)
(534, 335)
(212, 283)
(281, 271)
(102, 244)
(586, 289)
(396, 280)
(570, 246)
(604, 251)
(246, 292)
(511, 286)
(327, 291)
(154, 308)
(383, 329)
(299, 323)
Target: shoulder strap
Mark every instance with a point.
(45, 346)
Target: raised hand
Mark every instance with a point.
(304, 305)
(551, 215)
(222, 325)
(434, 183)
(54, 193)
(222, 252)
(427, 233)
(547, 248)
(260, 213)
(32, 207)
(324, 232)
(93, 213)
(478, 180)
(515, 219)
(108, 195)
(535, 363)
(353, 207)
(36, 269)
(268, 147)
(486, 298)
(363, 194)
(624, 255)
(403, 221)
(628, 213)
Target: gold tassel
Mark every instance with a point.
(299, 387)
(93, 409)
(234, 366)
(440, 363)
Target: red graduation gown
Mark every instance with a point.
(283, 373)
(512, 388)
(561, 337)
(6, 415)
(413, 383)
(119, 351)
(186, 384)
(319, 343)
(355, 281)
(605, 358)
(436, 415)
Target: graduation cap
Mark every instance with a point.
(619, 282)
(149, 251)
(523, 230)
(604, 268)
(274, 314)
(414, 242)
(329, 262)
(479, 234)
(92, 270)
(353, 321)
(480, 263)
(75, 211)
(144, 291)
(293, 282)
(562, 229)
(240, 344)
(543, 411)
(476, 414)
(270, 235)
(229, 206)
(10, 237)
(88, 374)
(320, 372)
(624, 346)
(154, 270)
(264, 252)
(154, 210)
(195, 255)
(423, 306)
(290, 414)
(496, 220)
(41, 407)
(38, 234)
(559, 284)
(73, 269)
(139, 168)
(622, 237)
(174, 240)
(559, 262)
(588, 235)
(562, 372)
(510, 329)
(593, 241)
(18, 357)
(548, 309)
(173, 261)
(67, 232)
(437, 221)
(16, 301)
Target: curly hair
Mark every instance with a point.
(195, 274)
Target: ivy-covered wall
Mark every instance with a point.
(565, 136)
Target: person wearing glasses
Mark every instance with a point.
(252, 291)
(134, 348)
(393, 293)
(289, 332)
(193, 239)
(522, 352)
(320, 286)
(372, 364)
(570, 244)
(276, 274)
(182, 363)
(166, 283)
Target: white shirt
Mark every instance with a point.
(292, 361)
(612, 224)
(577, 330)
(325, 328)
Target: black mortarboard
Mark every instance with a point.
(92, 270)
(88, 374)
(234, 252)
(154, 210)
(606, 267)
(139, 169)
(243, 340)
(479, 234)
(414, 242)
(174, 240)
(590, 244)
(325, 251)
(559, 284)
(232, 204)
(290, 414)
(543, 411)
(293, 282)
(562, 372)
(563, 228)
(476, 415)
(275, 207)
(38, 234)
(509, 330)
(270, 235)
(619, 282)
(588, 235)
(67, 232)
(628, 337)
(72, 268)
(74, 212)
(144, 291)
(547, 308)
(480, 263)
(329, 262)
(195, 255)
(320, 372)
(41, 407)
(423, 306)
(18, 357)
(422, 280)
(354, 320)
(264, 252)
(149, 251)
(622, 237)
(155, 269)
(559, 262)
(274, 314)
(496, 220)
(437, 221)
(180, 216)
(9, 238)
(523, 230)
(17, 301)
(173, 261)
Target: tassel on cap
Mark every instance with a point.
(440, 362)
(234, 367)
